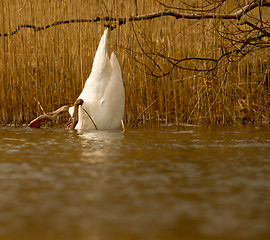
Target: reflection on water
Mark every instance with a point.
(98, 146)
(142, 184)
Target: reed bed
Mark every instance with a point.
(41, 71)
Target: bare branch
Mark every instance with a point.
(189, 7)
(266, 33)
(124, 20)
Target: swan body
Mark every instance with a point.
(103, 94)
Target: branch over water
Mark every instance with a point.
(112, 22)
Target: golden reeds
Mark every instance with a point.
(41, 71)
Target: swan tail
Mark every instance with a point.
(101, 56)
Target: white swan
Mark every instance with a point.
(103, 94)
(101, 104)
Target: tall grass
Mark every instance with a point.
(41, 71)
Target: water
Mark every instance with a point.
(196, 183)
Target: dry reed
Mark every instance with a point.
(41, 71)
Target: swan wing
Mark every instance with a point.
(113, 101)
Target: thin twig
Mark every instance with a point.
(91, 119)
(143, 113)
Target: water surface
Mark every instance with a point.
(196, 183)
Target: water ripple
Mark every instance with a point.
(142, 184)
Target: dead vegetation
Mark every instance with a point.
(205, 70)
